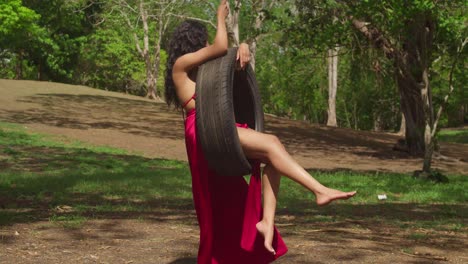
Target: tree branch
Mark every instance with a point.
(444, 103)
(375, 37)
(90, 4)
(135, 37)
(144, 17)
(232, 23)
(194, 18)
(124, 3)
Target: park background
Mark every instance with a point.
(336, 79)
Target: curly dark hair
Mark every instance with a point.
(188, 37)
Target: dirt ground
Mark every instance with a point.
(151, 129)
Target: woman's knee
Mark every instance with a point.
(276, 142)
(274, 145)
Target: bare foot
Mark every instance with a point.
(267, 232)
(329, 195)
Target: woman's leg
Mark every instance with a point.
(270, 184)
(268, 149)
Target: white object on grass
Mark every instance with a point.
(382, 196)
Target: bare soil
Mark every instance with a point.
(151, 129)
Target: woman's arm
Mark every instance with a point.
(191, 60)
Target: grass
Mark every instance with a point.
(417, 236)
(16, 135)
(40, 173)
(67, 183)
(410, 203)
(68, 221)
(454, 136)
(399, 188)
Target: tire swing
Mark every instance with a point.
(226, 96)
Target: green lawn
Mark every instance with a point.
(455, 136)
(42, 177)
(40, 173)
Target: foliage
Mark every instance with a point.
(19, 30)
(66, 28)
(75, 42)
(16, 21)
(368, 97)
(110, 61)
(322, 24)
(289, 85)
(45, 34)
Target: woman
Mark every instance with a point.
(226, 206)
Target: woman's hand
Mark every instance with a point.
(223, 9)
(243, 55)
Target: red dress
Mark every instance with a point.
(227, 210)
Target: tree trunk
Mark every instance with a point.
(253, 53)
(432, 126)
(233, 23)
(39, 72)
(413, 83)
(377, 116)
(253, 45)
(402, 131)
(153, 92)
(332, 85)
(260, 6)
(377, 122)
(19, 66)
(150, 82)
(412, 108)
(411, 67)
(150, 78)
(162, 11)
(347, 114)
(461, 114)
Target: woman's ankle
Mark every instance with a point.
(267, 221)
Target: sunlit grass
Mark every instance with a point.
(14, 135)
(399, 188)
(40, 176)
(455, 136)
(37, 171)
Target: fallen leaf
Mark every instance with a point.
(64, 208)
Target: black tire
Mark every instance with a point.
(226, 96)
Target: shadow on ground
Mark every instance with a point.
(184, 261)
(154, 120)
(100, 112)
(142, 120)
(37, 181)
(123, 196)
